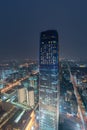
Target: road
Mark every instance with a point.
(81, 109)
(12, 85)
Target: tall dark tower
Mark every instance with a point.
(49, 80)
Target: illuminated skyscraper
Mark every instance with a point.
(49, 80)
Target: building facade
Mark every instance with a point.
(49, 80)
(21, 94)
(30, 96)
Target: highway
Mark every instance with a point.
(81, 109)
(12, 85)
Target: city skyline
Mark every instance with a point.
(21, 23)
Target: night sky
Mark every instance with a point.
(21, 22)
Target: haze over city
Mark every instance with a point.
(22, 21)
(43, 65)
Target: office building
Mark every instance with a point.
(30, 96)
(21, 94)
(49, 80)
(33, 81)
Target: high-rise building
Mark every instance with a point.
(30, 96)
(21, 94)
(33, 81)
(49, 80)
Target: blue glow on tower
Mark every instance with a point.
(49, 80)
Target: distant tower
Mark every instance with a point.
(49, 81)
(33, 81)
(21, 94)
(30, 96)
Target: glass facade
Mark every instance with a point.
(49, 81)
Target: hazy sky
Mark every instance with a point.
(21, 22)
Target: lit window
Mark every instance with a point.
(54, 41)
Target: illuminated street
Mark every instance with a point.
(81, 110)
(12, 85)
